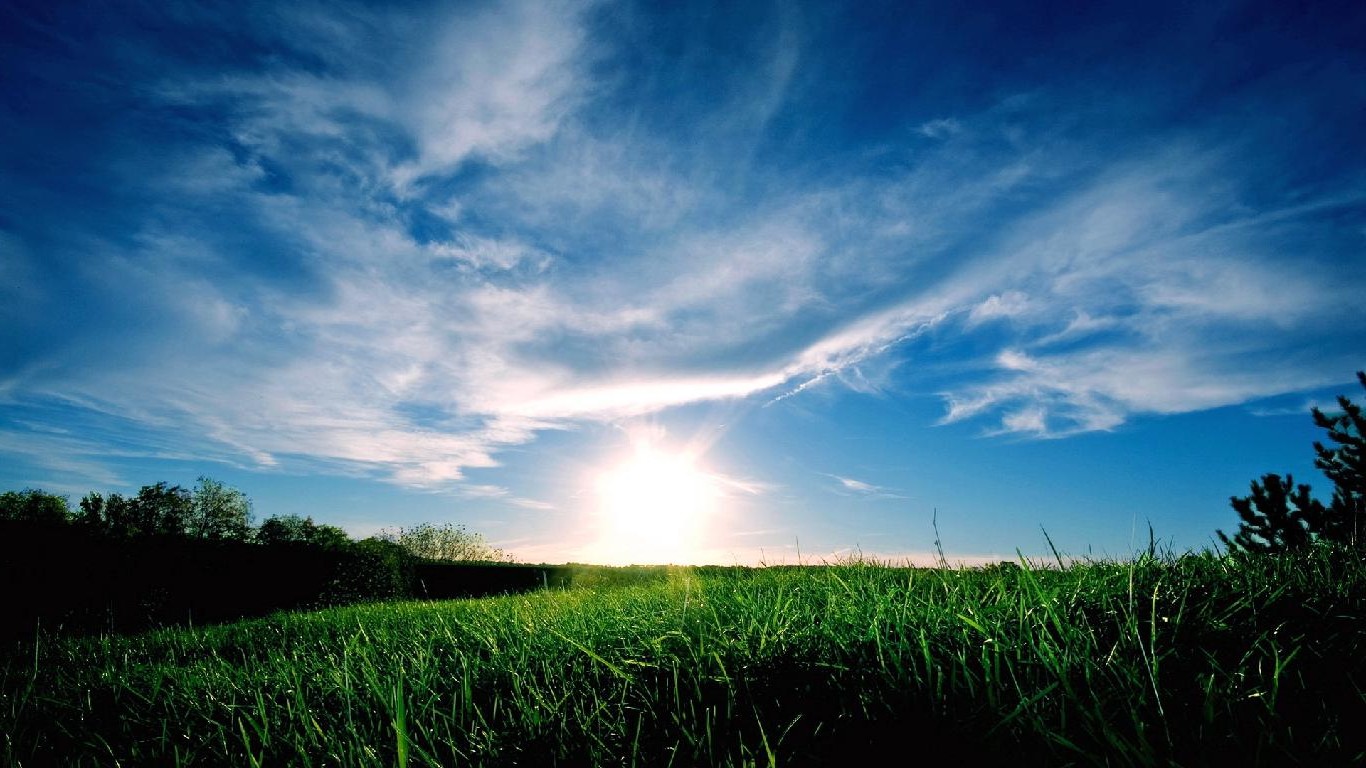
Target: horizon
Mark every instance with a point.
(715, 283)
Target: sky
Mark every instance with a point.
(713, 282)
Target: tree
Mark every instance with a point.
(162, 510)
(1281, 516)
(445, 542)
(34, 506)
(218, 512)
(92, 511)
(1345, 465)
(157, 510)
(118, 518)
(1278, 516)
(293, 529)
(211, 511)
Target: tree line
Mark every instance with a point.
(170, 555)
(212, 511)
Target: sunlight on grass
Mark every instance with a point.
(1197, 660)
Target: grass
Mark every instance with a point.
(1196, 660)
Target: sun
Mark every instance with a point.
(653, 507)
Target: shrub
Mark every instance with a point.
(444, 542)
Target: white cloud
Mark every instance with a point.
(388, 331)
(485, 83)
(1080, 326)
(612, 400)
(481, 253)
(597, 271)
(1100, 389)
(856, 485)
(1025, 420)
(941, 128)
(865, 489)
(1146, 293)
(731, 485)
(497, 81)
(999, 306)
(1301, 410)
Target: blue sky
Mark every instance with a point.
(1031, 265)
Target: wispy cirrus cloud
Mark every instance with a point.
(865, 489)
(405, 240)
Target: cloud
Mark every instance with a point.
(395, 96)
(498, 81)
(1026, 420)
(484, 491)
(856, 485)
(1149, 295)
(501, 360)
(1005, 305)
(731, 485)
(866, 490)
(1302, 410)
(402, 244)
(611, 401)
(484, 253)
(941, 128)
(1101, 389)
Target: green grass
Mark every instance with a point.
(1195, 660)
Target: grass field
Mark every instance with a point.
(1197, 660)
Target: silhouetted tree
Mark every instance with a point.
(119, 517)
(1281, 516)
(34, 506)
(218, 512)
(1278, 516)
(211, 511)
(162, 510)
(445, 542)
(91, 512)
(1345, 465)
(293, 529)
(157, 510)
(111, 515)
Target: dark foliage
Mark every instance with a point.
(157, 510)
(210, 511)
(1280, 516)
(218, 512)
(1345, 465)
(368, 570)
(170, 555)
(73, 580)
(76, 580)
(293, 529)
(445, 580)
(34, 506)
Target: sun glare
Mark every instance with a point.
(654, 508)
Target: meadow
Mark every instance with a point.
(1163, 660)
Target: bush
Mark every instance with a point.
(445, 542)
(369, 570)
